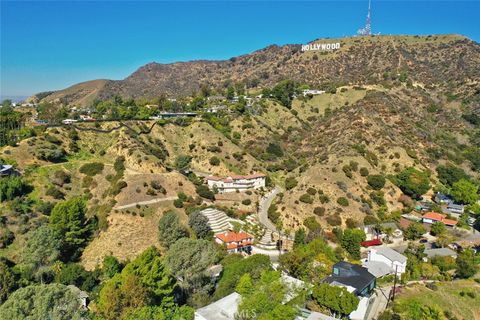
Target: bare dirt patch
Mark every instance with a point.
(126, 237)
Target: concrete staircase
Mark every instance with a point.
(217, 220)
(266, 241)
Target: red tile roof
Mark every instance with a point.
(231, 236)
(450, 222)
(213, 178)
(439, 217)
(434, 216)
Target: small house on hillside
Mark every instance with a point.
(312, 92)
(354, 277)
(235, 242)
(454, 209)
(6, 170)
(86, 117)
(236, 182)
(441, 198)
(69, 121)
(380, 257)
(223, 309)
(380, 231)
(424, 206)
(431, 217)
(82, 295)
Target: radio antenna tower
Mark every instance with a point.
(367, 31)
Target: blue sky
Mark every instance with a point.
(51, 45)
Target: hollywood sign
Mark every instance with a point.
(320, 46)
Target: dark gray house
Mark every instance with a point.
(6, 170)
(356, 278)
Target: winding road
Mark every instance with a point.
(263, 206)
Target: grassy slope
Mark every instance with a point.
(446, 298)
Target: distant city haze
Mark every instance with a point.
(52, 45)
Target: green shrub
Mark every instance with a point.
(312, 224)
(246, 202)
(353, 166)
(319, 211)
(204, 192)
(12, 187)
(55, 193)
(290, 183)
(117, 188)
(275, 149)
(273, 214)
(323, 198)
(334, 220)
(369, 220)
(92, 169)
(351, 223)
(214, 161)
(178, 203)
(364, 172)
(51, 155)
(378, 197)
(119, 164)
(60, 178)
(376, 181)
(343, 201)
(306, 198)
(52, 139)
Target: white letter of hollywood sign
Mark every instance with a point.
(318, 46)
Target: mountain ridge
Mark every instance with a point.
(360, 60)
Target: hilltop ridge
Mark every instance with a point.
(359, 61)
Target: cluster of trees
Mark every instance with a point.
(283, 92)
(11, 123)
(265, 298)
(144, 288)
(350, 240)
(465, 265)
(412, 182)
(36, 286)
(12, 187)
(458, 184)
(337, 299)
(309, 260)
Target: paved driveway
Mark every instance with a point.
(263, 206)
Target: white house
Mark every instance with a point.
(223, 309)
(312, 92)
(394, 261)
(85, 117)
(234, 183)
(69, 121)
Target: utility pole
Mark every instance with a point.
(394, 283)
